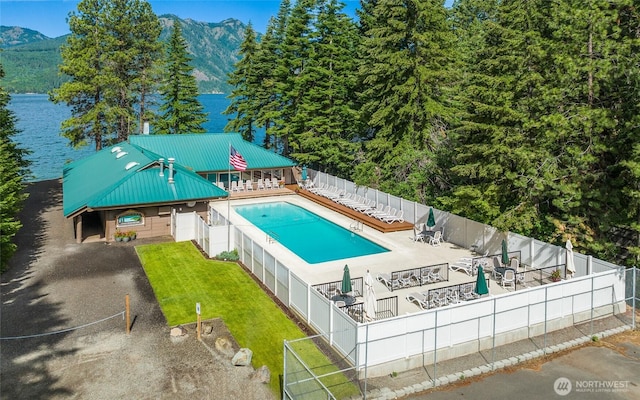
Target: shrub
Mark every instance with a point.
(228, 255)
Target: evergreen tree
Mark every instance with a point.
(180, 111)
(406, 71)
(295, 53)
(264, 69)
(84, 59)
(326, 121)
(13, 170)
(592, 126)
(108, 55)
(268, 58)
(244, 97)
(502, 162)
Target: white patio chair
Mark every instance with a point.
(436, 239)
(508, 279)
(418, 233)
(261, 184)
(249, 185)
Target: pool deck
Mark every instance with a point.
(404, 252)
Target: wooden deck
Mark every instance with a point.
(353, 214)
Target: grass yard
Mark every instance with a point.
(181, 277)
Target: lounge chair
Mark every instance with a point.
(389, 212)
(440, 297)
(467, 293)
(377, 213)
(452, 296)
(261, 184)
(462, 266)
(249, 185)
(274, 183)
(379, 208)
(398, 217)
(364, 206)
(234, 186)
(267, 183)
(391, 282)
(419, 299)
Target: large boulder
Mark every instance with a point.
(242, 357)
(224, 346)
(178, 331)
(262, 375)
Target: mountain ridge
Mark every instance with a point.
(31, 59)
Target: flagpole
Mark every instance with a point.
(229, 200)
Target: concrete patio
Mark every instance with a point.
(404, 252)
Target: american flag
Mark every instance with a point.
(236, 160)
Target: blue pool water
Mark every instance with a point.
(311, 237)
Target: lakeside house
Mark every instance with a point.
(137, 185)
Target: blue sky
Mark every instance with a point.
(49, 16)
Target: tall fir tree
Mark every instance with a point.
(13, 171)
(406, 69)
(502, 164)
(180, 110)
(84, 59)
(108, 55)
(295, 52)
(592, 124)
(327, 121)
(245, 95)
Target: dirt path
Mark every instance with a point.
(54, 284)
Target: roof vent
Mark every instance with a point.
(171, 160)
(131, 165)
(121, 154)
(115, 149)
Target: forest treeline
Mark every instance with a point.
(519, 114)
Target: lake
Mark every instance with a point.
(39, 121)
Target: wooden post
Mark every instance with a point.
(199, 327)
(198, 321)
(127, 314)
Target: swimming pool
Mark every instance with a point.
(311, 237)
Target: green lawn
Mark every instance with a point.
(181, 277)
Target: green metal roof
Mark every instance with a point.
(128, 175)
(210, 152)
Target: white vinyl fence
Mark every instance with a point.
(381, 347)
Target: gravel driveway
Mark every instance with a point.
(54, 284)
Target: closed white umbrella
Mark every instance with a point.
(370, 306)
(571, 266)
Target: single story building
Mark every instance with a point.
(137, 185)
